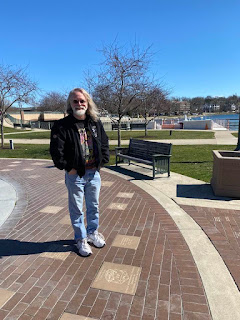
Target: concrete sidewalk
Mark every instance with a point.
(173, 249)
(221, 138)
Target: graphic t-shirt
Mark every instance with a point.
(86, 142)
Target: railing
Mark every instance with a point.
(230, 124)
(8, 121)
(17, 121)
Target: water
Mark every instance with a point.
(229, 121)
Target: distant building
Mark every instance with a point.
(211, 108)
(182, 107)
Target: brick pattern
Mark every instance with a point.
(169, 286)
(222, 226)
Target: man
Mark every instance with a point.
(79, 145)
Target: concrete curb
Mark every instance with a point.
(8, 199)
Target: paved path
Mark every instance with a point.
(166, 257)
(221, 138)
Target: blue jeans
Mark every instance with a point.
(87, 186)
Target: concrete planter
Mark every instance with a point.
(226, 173)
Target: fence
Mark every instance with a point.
(230, 124)
(47, 125)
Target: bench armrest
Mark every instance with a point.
(161, 155)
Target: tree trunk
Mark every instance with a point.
(145, 118)
(2, 133)
(119, 133)
(146, 129)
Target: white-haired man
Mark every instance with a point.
(79, 145)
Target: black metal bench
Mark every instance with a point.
(124, 126)
(137, 126)
(17, 125)
(23, 125)
(155, 154)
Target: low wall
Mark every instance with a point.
(197, 124)
(27, 116)
(35, 116)
(52, 116)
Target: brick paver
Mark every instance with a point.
(49, 280)
(222, 226)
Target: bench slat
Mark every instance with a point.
(135, 159)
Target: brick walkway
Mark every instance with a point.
(42, 276)
(222, 226)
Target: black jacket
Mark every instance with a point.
(65, 147)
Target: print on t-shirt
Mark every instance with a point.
(87, 147)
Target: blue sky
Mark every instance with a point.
(196, 42)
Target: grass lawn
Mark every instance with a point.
(31, 151)
(8, 130)
(125, 135)
(193, 161)
(235, 134)
(29, 135)
(162, 134)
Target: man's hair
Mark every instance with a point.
(92, 109)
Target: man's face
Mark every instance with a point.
(79, 104)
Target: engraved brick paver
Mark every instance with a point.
(65, 220)
(51, 209)
(118, 278)
(125, 195)
(47, 279)
(124, 241)
(5, 295)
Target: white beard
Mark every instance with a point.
(79, 112)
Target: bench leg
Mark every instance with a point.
(153, 170)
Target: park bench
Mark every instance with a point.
(124, 126)
(17, 125)
(155, 154)
(137, 125)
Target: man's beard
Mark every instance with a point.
(80, 112)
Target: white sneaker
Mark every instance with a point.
(97, 239)
(84, 248)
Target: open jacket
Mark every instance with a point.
(65, 147)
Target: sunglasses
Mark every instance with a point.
(81, 101)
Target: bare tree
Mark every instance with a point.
(122, 80)
(153, 102)
(53, 101)
(15, 86)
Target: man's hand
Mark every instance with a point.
(72, 171)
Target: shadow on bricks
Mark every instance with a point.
(135, 175)
(10, 247)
